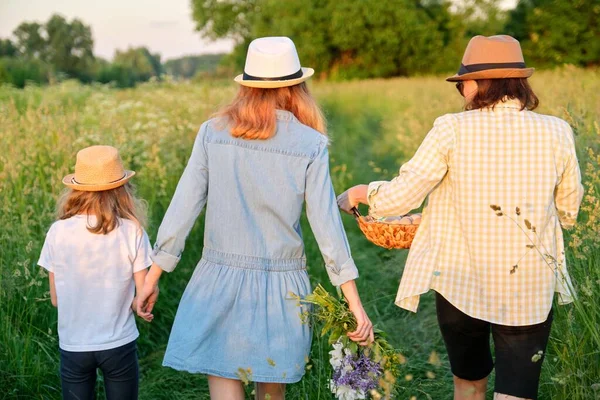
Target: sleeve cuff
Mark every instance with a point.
(347, 272)
(371, 195)
(167, 262)
(567, 219)
(564, 298)
(567, 225)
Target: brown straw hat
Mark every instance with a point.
(494, 57)
(98, 168)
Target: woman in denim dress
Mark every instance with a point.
(254, 166)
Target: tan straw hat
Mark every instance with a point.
(272, 62)
(98, 168)
(494, 57)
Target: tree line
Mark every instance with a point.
(60, 49)
(195, 66)
(371, 38)
(341, 39)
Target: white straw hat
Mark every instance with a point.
(98, 168)
(273, 62)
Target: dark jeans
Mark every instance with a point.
(119, 368)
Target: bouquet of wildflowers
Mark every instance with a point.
(358, 371)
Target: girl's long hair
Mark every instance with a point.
(251, 114)
(108, 206)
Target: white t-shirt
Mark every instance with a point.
(93, 275)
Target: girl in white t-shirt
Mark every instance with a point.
(97, 254)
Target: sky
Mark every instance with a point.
(164, 26)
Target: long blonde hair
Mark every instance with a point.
(251, 114)
(108, 206)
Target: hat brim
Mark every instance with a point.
(306, 74)
(499, 73)
(69, 181)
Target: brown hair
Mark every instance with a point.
(251, 114)
(492, 91)
(108, 206)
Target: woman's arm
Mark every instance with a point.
(416, 178)
(188, 201)
(569, 191)
(352, 197)
(326, 224)
(364, 329)
(325, 220)
(52, 289)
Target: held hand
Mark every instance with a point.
(134, 307)
(146, 300)
(364, 331)
(352, 197)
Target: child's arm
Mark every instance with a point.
(148, 295)
(52, 289)
(139, 278)
(46, 261)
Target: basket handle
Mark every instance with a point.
(356, 213)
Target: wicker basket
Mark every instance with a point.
(390, 233)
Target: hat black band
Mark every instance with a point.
(295, 75)
(465, 69)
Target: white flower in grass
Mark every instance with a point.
(344, 392)
(332, 386)
(336, 355)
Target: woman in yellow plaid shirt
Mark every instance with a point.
(502, 182)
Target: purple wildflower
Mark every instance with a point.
(358, 372)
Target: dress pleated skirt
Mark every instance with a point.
(237, 320)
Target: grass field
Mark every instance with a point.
(375, 126)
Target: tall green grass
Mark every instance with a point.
(374, 126)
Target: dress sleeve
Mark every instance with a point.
(325, 220)
(187, 203)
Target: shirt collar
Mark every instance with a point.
(509, 103)
(283, 115)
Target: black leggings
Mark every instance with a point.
(519, 350)
(119, 368)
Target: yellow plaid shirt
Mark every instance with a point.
(486, 261)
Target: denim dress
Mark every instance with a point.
(236, 318)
